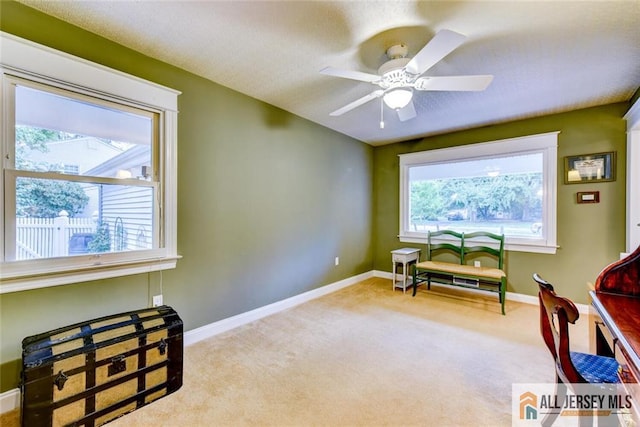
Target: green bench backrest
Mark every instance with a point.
(490, 238)
(456, 243)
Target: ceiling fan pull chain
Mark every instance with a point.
(381, 114)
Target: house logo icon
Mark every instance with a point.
(528, 406)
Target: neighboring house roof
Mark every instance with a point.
(132, 158)
(85, 153)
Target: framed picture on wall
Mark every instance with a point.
(590, 168)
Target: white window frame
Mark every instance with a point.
(546, 144)
(633, 177)
(24, 59)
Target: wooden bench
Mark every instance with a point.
(453, 251)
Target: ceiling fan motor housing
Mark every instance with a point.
(397, 51)
(393, 73)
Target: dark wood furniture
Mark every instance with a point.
(464, 247)
(92, 372)
(572, 368)
(616, 319)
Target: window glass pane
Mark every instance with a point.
(61, 218)
(503, 195)
(66, 135)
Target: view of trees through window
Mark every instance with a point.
(456, 196)
(51, 201)
(41, 198)
(83, 174)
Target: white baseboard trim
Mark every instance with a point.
(510, 296)
(9, 400)
(530, 299)
(382, 274)
(215, 328)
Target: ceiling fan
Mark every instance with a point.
(400, 76)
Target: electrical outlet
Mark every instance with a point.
(157, 300)
(476, 263)
(337, 261)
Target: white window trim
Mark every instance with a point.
(547, 143)
(633, 177)
(25, 59)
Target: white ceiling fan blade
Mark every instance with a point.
(454, 83)
(358, 102)
(442, 44)
(407, 113)
(348, 74)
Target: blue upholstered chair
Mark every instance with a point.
(556, 313)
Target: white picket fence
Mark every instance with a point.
(48, 237)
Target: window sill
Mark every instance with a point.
(24, 283)
(536, 247)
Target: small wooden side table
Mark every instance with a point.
(404, 256)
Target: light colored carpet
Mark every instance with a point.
(364, 356)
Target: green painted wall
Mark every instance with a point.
(266, 199)
(590, 236)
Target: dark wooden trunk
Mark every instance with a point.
(92, 372)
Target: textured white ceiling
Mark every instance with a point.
(546, 57)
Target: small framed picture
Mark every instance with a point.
(590, 168)
(589, 197)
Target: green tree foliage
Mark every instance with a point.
(514, 197)
(29, 138)
(102, 239)
(43, 198)
(426, 201)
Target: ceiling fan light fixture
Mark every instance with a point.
(399, 76)
(398, 98)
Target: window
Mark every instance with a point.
(505, 187)
(89, 167)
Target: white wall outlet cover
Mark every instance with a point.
(157, 300)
